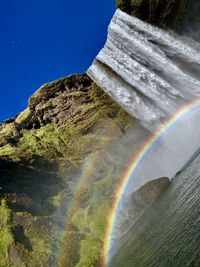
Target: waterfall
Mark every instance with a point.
(149, 71)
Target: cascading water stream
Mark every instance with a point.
(150, 72)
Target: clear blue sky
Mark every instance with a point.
(42, 40)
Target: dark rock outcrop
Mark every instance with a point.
(59, 102)
(164, 13)
(147, 194)
(138, 202)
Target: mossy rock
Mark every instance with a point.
(42, 151)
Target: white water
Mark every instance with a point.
(150, 72)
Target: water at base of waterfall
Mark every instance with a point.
(168, 234)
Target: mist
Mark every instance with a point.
(170, 153)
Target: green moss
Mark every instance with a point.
(6, 237)
(23, 116)
(89, 248)
(10, 151)
(50, 143)
(41, 167)
(57, 200)
(99, 220)
(91, 222)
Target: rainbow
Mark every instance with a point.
(104, 142)
(138, 158)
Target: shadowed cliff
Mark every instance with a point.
(164, 13)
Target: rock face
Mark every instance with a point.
(74, 101)
(138, 202)
(42, 153)
(59, 102)
(146, 195)
(159, 12)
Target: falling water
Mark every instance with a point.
(150, 72)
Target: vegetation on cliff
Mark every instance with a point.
(43, 151)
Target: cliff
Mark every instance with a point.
(42, 151)
(69, 127)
